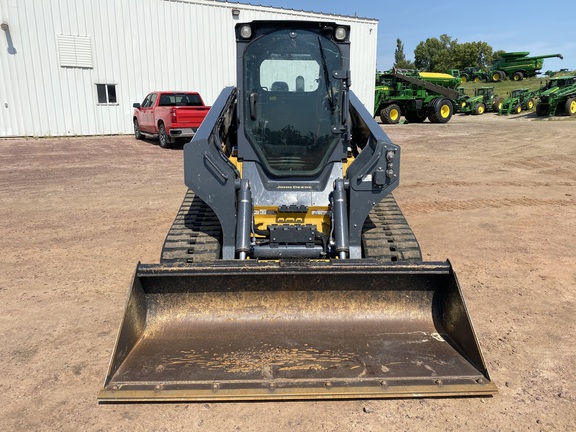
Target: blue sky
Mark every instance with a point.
(537, 26)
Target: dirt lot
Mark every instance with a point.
(495, 195)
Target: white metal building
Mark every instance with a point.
(74, 67)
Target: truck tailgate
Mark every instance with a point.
(190, 116)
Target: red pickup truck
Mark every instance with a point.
(169, 115)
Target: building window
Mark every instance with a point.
(106, 94)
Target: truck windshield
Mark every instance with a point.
(292, 100)
(180, 99)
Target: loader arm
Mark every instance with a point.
(374, 174)
(214, 178)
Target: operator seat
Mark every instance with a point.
(279, 86)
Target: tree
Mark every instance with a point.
(400, 61)
(435, 54)
(497, 55)
(443, 53)
(472, 54)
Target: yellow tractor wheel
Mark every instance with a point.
(391, 114)
(480, 109)
(570, 107)
(497, 104)
(442, 110)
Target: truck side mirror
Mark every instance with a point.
(136, 105)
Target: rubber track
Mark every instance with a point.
(386, 236)
(195, 234)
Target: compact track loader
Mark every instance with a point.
(290, 271)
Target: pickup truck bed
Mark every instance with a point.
(169, 115)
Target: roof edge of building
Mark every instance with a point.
(250, 6)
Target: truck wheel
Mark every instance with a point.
(390, 114)
(542, 110)
(518, 76)
(479, 109)
(497, 104)
(529, 104)
(442, 111)
(570, 107)
(163, 136)
(517, 109)
(415, 116)
(137, 134)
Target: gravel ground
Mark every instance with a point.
(493, 194)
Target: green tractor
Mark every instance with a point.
(482, 101)
(559, 95)
(519, 100)
(473, 74)
(461, 100)
(517, 66)
(415, 95)
(454, 72)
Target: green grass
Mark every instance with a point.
(504, 88)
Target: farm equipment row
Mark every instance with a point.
(558, 96)
(412, 95)
(513, 65)
(436, 96)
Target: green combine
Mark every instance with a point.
(517, 66)
(415, 95)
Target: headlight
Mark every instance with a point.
(246, 31)
(340, 33)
